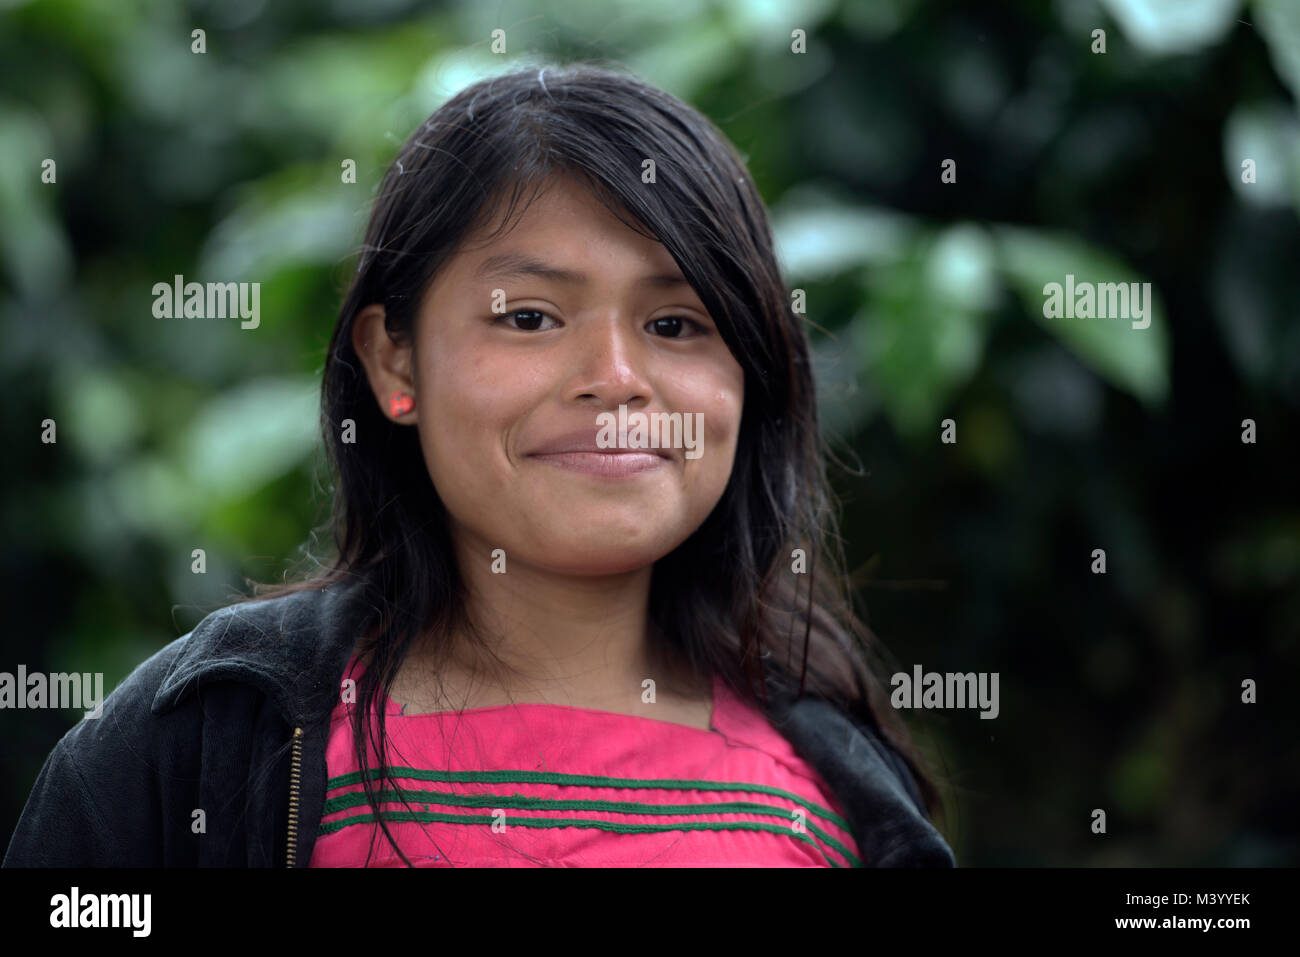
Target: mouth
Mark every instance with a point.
(606, 464)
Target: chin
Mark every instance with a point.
(595, 554)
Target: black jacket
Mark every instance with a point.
(212, 753)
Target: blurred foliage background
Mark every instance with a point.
(1118, 691)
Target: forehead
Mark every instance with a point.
(552, 231)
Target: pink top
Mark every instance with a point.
(545, 785)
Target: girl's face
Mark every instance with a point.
(589, 315)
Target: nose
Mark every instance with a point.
(609, 362)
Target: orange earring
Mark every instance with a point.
(399, 403)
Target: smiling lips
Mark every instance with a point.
(579, 452)
(611, 463)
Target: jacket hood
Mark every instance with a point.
(295, 648)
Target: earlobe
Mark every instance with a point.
(400, 403)
(387, 364)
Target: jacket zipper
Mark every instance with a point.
(295, 775)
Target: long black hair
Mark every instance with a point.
(729, 598)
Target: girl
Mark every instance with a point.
(550, 634)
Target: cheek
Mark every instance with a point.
(723, 405)
(465, 412)
(708, 475)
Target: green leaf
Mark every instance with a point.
(922, 336)
(35, 254)
(251, 435)
(1174, 26)
(1278, 22)
(818, 241)
(1269, 135)
(282, 222)
(1135, 360)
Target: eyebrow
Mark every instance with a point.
(515, 265)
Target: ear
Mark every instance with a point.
(387, 363)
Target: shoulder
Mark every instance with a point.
(128, 727)
(98, 793)
(128, 708)
(292, 648)
(870, 780)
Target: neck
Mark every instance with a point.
(558, 636)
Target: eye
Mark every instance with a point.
(670, 327)
(529, 319)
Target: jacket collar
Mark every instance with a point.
(296, 647)
(293, 648)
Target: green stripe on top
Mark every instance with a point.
(525, 802)
(488, 819)
(584, 780)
